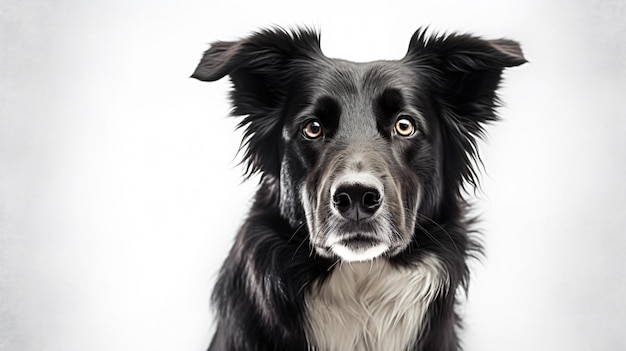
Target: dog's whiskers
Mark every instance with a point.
(298, 248)
(441, 228)
(333, 265)
(296, 232)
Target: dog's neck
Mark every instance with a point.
(373, 305)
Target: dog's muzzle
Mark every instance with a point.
(356, 202)
(355, 207)
(357, 199)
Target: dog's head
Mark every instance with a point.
(362, 151)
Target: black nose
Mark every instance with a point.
(356, 201)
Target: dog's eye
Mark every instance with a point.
(404, 126)
(312, 130)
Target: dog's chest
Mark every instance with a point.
(372, 306)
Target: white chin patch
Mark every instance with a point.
(358, 255)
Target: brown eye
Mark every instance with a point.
(312, 130)
(404, 127)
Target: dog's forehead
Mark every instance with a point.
(344, 78)
(356, 86)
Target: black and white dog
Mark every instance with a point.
(358, 237)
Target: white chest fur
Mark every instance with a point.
(372, 305)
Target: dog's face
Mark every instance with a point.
(361, 151)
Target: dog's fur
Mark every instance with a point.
(358, 237)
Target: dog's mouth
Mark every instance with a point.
(358, 241)
(358, 247)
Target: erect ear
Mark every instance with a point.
(466, 69)
(463, 72)
(260, 68)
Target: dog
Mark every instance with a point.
(359, 235)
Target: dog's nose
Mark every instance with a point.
(356, 201)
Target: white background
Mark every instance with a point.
(119, 196)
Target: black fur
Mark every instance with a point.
(278, 78)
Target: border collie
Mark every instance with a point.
(358, 237)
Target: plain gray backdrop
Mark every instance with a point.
(120, 192)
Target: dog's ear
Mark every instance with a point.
(261, 70)
(464, 73)
(466, 69)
